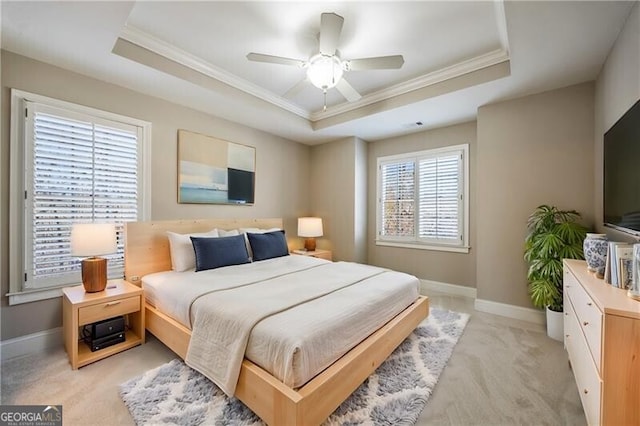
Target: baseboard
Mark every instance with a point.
(31, 343)
(453, 289)
(511, 311)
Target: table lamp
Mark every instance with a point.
(309, 228)
(91, 240)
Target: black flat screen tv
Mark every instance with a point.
(622, 173)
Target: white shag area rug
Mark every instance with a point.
(395, 394)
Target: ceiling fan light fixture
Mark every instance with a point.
(324, 71)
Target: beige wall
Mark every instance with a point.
(446, 267)
(531, 151)
(338, 185)
(360, 212)
(282, 168)
(617, 89)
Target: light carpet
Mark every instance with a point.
(395, 394)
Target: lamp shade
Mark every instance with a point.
(309, 227)
(93, 239)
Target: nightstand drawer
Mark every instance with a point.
(326, 255)
(100, 311)
(320, 254)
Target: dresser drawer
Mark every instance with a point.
(569, 318)
(100, 311)
(589, 318)
(571, 329)
(584, 369)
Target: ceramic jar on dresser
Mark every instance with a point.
(602, 338)
(595, 253)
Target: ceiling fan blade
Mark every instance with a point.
(379, 63)
(330, 29)
(347, 90)
(296, 88)
(259, 57)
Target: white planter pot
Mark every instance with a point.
(555, 325)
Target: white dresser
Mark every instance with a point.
(602, 338)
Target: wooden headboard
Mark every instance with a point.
(146, 246)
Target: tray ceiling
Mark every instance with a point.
(458, 56)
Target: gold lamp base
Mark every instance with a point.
(310, 244)
(94, 274)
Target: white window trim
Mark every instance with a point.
(462, 247)
(17, 186)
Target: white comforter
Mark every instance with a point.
(224, 305)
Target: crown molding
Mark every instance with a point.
(479, 62)
(169, 51)
(501, 22)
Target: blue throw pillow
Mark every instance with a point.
(268, 245)
(214, 253)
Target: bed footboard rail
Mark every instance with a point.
(277, 404)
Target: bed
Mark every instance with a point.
(276, 398)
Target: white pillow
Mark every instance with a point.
(183, 257)
(258, 231)
(231, 233)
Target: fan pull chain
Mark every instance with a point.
(324, 108)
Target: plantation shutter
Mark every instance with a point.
(398, 198)
(440, 197)
(78, 169)
(422, 199)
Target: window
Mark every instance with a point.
(423, 199)
(77, 165)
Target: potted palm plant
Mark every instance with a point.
(553, 235)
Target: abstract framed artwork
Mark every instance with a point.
(214, 171)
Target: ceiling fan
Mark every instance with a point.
(325, 69)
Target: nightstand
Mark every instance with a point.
(80, 308)
(322, 254)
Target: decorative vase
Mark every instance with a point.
(595, 253)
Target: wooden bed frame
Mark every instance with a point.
(147, 251)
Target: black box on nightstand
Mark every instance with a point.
(105, 333)
(107, 327)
